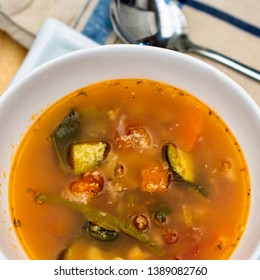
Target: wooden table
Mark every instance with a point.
(11, 57)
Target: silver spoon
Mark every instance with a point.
(161, 23)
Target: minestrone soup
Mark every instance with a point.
(129, 169)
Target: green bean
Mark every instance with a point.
(103, 219)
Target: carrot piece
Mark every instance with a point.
(155, 179)
(188, 134)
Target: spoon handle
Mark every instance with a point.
(240, 67)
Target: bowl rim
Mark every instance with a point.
(134, 50)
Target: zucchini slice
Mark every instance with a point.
(181, 164)
(85, 155)
(101, 233)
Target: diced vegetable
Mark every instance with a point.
(85, 156)
(190, 130)
(138, 137)
(101, 233)
(155, 179)
(67, 131)
(134, 136)
(88, 186)
(104, 219)
(180, 162)
(182, 166)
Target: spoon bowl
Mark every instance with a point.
(161, 23)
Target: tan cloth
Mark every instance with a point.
(22, 19)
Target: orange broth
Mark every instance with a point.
(192, 225)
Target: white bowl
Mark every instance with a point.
(43, 86)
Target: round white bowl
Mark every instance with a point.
(34, 93)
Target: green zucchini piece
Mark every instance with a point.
(85, 156)
(182, 166)
(180, 162)
(66, 132)
(100, 233)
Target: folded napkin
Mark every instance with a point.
(229, 27)
(22, 19)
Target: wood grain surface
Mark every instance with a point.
(11, 57)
